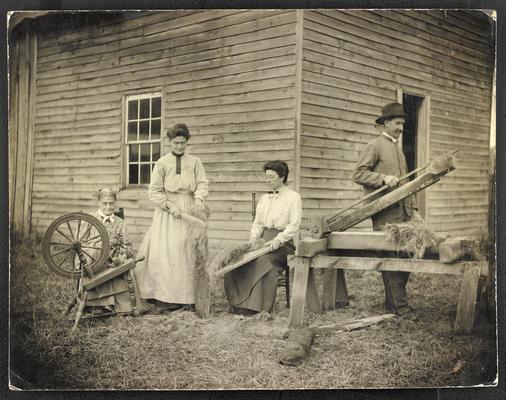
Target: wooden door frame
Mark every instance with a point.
(422, 140)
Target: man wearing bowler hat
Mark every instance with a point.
(381, 163)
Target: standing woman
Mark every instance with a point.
(252, 287)
(178, 181)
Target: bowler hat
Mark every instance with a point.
(391, 110)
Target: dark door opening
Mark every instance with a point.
(412, 106)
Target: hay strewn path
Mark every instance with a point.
(180, 351)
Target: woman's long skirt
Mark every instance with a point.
(253, 285)
(165, 274)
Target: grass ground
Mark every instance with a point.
(180, 351)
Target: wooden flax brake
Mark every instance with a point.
(377, 201)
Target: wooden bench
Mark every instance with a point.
(313, 254)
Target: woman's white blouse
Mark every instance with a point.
(164, 178)
(282, 211)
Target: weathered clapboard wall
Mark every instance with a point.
(354, 62)
(228, 74)
(22, 67)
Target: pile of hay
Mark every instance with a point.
(413, 237)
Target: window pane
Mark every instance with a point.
(134, 153)
(132, 109)
(156, 151)
(156, 107)
(132, 131)
(133, 174)
(155, 129)
(144, 108)
(144, 130)
(145, 152)
(145, 172)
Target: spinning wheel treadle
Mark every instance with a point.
(71, 238)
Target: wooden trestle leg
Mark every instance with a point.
(80, 310)
(131, 291)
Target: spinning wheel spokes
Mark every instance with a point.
(63, 245)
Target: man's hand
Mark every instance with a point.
(391, 180)
(274, 244)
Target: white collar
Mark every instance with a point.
(392, 139)
(105, 217)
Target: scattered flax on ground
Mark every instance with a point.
(411, 237)
(180, 351)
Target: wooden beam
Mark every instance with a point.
(467, 302)
(300, 281)
(455, 248)
(364, 241)
(398, 264)
(359, 241)
(329, 289)
(312, 297)
(107, 275)
(309, 247)
(342, 298)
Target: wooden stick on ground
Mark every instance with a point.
(351, 325)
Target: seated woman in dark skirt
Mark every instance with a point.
(252, 287)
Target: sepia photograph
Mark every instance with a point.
(252, 199)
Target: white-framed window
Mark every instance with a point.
(143, 127)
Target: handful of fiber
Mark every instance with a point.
(412, 237)
(196, 244)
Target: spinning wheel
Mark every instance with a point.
(75, 244)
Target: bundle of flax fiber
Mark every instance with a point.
(230, 255)
(413, 237)
(196, 244)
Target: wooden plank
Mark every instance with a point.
(401, 63)
(22, 133)
(108, 274)
(309, 247)
(363, 69)
(298, 92)
(403, 33)
(396, 264)
(312, 297)
(351, 325)
(467, 301)
(359, 241)
(329, 289)
(13, 127)
(360, 35)
(455, 248)
(384, 70)
(342, 299)
(299, 290)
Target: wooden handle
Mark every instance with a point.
(193, 220)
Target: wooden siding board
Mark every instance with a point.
(376, 35)
(346, 64)
(415, 58)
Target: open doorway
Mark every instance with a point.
(415, 136)
(410, 136)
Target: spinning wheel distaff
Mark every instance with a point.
(77, 246)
